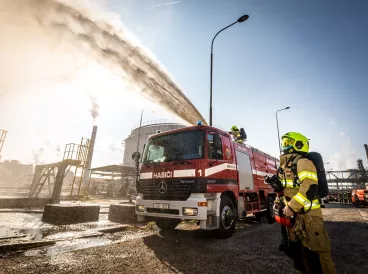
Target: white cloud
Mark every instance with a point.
(345, 157)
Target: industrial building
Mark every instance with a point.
(347, 180)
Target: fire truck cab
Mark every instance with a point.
(199, 173)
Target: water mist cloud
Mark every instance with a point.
(48, 41)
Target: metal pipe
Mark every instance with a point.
(137, 152)
(139, 131)
(278, 132)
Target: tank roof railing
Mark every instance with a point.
(156, 122)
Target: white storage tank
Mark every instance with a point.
(147, 129)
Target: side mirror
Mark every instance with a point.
(243, 134)
(136, 156)
(217, 141)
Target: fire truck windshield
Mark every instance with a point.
(174, 147)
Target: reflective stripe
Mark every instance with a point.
(305, 202)
(315, 204)
(301, 199)
(289, 184)
(307, 174)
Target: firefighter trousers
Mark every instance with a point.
(312, 245)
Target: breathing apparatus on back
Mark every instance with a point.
(298, 143)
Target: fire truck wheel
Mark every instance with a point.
(270, 212)
(227, 218)
(167, 224)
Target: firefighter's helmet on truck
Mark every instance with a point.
(305, 238)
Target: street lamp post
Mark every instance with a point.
(136, 155)
(240, 20)
(278, 131)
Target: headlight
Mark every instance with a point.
(190, 211)
(140, 208)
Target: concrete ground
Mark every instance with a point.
(252, 249)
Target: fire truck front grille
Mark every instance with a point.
(176, 190)
(164, 211)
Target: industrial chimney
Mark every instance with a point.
(88, 163)
(366, 150)
(2, 139)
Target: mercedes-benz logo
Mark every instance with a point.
(162, 187)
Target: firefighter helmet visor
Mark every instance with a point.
(287, 143)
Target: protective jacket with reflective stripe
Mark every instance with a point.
(297, 193)
(237, 137)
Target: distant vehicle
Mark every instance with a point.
(199, 173)
(359, 197)
(330, 198)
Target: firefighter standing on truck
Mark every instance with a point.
(236, 134)
(308, 242)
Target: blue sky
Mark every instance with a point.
(309, 55)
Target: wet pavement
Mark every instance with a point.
(19, 226)
(30, 224)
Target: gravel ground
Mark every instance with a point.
(252, 249)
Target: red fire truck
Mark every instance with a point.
(200, 173)
(359, 197)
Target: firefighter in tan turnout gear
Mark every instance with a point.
(308, 242)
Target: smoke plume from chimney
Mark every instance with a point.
(94, 110)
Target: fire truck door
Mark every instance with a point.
(245, 171)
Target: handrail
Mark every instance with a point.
(154, 122)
